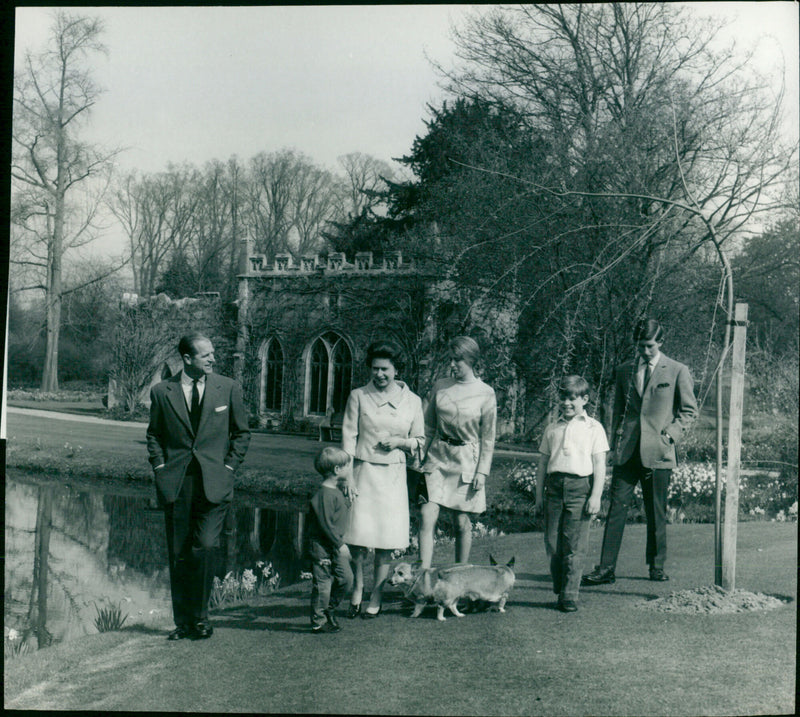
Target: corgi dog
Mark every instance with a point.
(444, 586)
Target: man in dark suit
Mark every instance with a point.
(654, 404)
(197, 437)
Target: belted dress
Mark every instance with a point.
(460, 420)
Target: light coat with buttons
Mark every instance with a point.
(370, 416)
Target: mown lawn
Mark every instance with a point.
(609, 658)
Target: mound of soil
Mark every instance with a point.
(712, 599)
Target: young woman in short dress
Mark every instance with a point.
(460, 418)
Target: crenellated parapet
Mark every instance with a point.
(333, 263)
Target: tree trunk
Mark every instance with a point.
(54, 290)
(37, 612)
(53, 304)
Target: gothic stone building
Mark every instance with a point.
(303, 331)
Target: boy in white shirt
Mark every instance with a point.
(570, 478)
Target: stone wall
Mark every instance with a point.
(358, 302)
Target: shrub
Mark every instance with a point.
(140, 414)
(766, 438)
(73, 395)
(109, 618)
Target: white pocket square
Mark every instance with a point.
(220, 409)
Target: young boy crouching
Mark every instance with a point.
(330, 557)
(570, 478)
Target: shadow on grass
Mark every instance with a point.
(588, 590)
(145, 629)
(542, 605)
(535, 578)
(785, 599)
(253, 618)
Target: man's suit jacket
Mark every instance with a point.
(221, 440)
(666, 405)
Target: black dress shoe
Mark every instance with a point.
(599, 576)
(658, 575)
(181, 632)
(353, 610)
(332, 621)
(567, 605)
(202, 631)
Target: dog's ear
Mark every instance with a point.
(492, 561)
(511, 562)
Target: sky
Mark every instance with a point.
(191, 84)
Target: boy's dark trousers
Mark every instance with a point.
(332, 580)
(566, 530)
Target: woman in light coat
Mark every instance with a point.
(382, 426)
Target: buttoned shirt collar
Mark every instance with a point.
(186, 387)
(579, 416)
(653, 361)
(187, 380)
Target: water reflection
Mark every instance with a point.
(73, 549)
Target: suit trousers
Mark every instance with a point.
(194, 526)
(332, 580)
(566, 530)
(655, 484)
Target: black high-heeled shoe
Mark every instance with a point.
(353, 611)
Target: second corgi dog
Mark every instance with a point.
(444, 586)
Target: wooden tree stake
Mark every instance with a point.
(734, 449)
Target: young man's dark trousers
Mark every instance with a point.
(655, 484)
(332, 579)
(193, 529)
(566, 530)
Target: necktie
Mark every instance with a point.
(194, 414)
(646, 376)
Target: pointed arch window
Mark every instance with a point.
(330, 374)
(273, 380)
(318, 380)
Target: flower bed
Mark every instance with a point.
(768, 495)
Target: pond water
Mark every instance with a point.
(74, 549)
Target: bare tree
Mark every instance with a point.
(155, 212)
(664, 146)
(290, 200)
(215, 225)
(365, 177)
(272, 178)
(53, 95)
(139, 339)
(316, 200)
